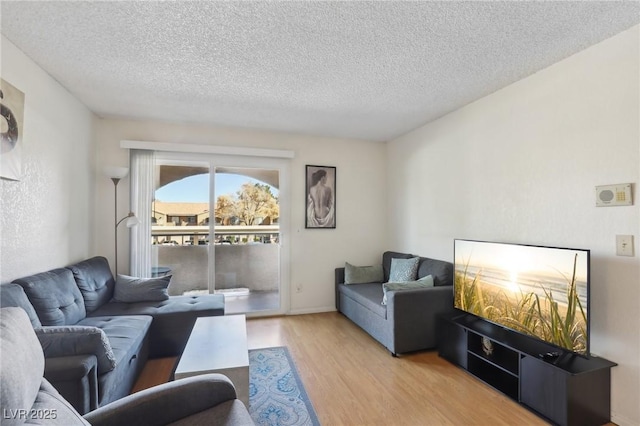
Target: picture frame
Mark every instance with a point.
(12, 115)
(320, 197)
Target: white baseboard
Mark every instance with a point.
(621, 420)
(312, 310)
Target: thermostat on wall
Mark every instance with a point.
(613, 195)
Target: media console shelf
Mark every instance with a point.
(567, 390)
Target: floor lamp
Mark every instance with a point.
(117, 173)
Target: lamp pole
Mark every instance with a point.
(115, 218)
(116, 174)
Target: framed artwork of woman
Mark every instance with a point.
(320, 197)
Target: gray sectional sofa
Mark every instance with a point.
(408, 321)
(26, 397)
(95, 347)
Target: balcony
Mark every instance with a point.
(247, 263)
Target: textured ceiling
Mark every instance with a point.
(365, 70)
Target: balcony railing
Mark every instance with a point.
(253, 265)
(199, 235)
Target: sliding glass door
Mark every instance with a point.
(180, 225)
(216, 229)
(246, 238)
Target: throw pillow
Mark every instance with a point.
(403, 269)
(131, 289)
(77, 340)
(407, 285)
(362, 274)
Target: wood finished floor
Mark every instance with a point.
(353, 380)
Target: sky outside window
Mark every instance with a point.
(195, 189)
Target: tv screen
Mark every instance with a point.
(542, 292)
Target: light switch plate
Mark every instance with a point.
(613, 195)
(624, 245)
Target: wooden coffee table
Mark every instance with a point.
(218, 345)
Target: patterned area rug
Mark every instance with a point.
(276, 394)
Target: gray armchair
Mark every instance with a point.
(27, 397)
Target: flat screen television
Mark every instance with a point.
(542, 292)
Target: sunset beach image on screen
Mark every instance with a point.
(539, 291)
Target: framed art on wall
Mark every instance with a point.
(12, 111)
(320, 197)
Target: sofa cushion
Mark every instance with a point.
(173, 319)
(55, 296)
(386, 261)
(403, 269)
(441, 271)
(367, 295)
(132, 289)
(12, 294)
(406, 285)
(123, 332)
(362, 274)
(78, 340)
(93, 278)
(210, 304)
(21, 364)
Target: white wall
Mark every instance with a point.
(520, 166)
(48, 214)
(314, 253)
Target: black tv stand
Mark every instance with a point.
(562, 387)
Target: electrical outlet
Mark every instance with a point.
(624, 245)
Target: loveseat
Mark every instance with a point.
(407, 322)
(26, 397)
(95, 347)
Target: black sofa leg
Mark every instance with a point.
(393, 354)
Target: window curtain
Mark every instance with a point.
(142, 193)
